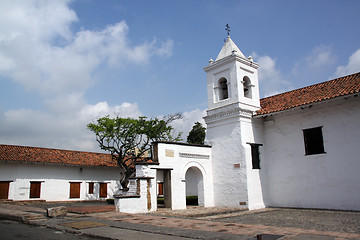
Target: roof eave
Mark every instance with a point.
(306, 105)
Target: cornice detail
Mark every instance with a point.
(235, 112)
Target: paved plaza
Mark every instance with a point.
(99, 220)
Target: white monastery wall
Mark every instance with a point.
(179, 158)
(56, 180)
(329, 180)
(252, 133)
(229, 166)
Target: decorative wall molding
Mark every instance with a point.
(228, 114)
(247, 70)
(192, 155)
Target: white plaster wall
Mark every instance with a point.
(134, 204)
(252, 133)
(147, 170)
(230, 187)
(328, 180)
(180, 165)
(55, 184)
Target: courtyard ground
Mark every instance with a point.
(205, 223)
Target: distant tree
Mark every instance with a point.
(122, 136)
(197, 134)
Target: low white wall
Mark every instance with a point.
(141, 196)
(179, 158)
(56, 180)
(329, 180)
(134, 204)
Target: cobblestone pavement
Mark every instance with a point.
(44, 205)
(299, 224)
(82, 207)
(323, 220)
(230, 227)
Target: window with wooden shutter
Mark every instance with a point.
(35, 188)
(160, 189)
(91, 188)
(75, 190)
(4, 189)
(103, 190)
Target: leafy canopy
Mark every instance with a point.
(128, 139)
(197, 134)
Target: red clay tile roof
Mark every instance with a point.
(13, 153)
(315, 93)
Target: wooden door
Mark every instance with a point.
(103, 190)
(91, 188)
(160, 189)
(4, 189)
(35, 188)
(74, 190)
(167, 189)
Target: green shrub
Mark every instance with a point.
(160, 200)
(110, 200)
(192, 200)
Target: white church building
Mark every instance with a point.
(295, 149)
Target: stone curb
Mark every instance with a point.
(20, 216)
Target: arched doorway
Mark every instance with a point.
(194, 186)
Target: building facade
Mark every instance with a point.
(295, 149)
(31, 173)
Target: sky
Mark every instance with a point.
(66, 63)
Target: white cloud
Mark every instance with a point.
(185, 124)
(321, 56)
(166, 48)
(102, 109)
(58, 130)
(39, 51)
(271, 79)
(68, 131)
(352, 66)
(35, 20)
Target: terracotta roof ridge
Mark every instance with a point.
(330, 89)
(56, 149)
(312, 85)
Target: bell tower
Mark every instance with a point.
(232, 79)
(233, 98)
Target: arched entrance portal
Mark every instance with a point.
(195, 184)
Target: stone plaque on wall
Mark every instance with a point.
(169, 153)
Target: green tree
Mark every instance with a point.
(122, 136)
(197, 134)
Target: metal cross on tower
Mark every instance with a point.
(227, 29)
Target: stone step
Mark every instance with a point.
(33, 216)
